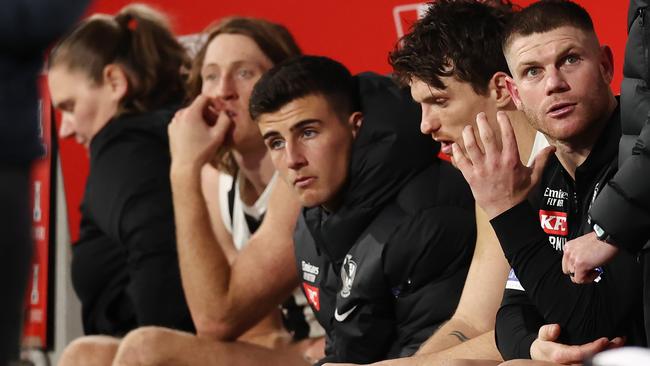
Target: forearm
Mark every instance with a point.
(481, 347)
(205, 270)
(452, 333)
(585, 312)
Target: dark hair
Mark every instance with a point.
(273, 39)
(303, 76)
(459, 38)
(547, 15)
(138, 38)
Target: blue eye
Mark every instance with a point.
(245, 74)
(209, 77)
(532, 72)
(276, 144)
(571, 59)
(309, 133)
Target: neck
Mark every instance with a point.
(573, 153)
(255, 167)
(524, 133)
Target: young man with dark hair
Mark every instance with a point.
(456, 71)
(383, 242)
(560, 80)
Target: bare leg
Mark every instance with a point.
(468, 363)
(160, 346)
(528, 363)
(90, 351)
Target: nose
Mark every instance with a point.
(555, 82)
(294, 156)
(429, 123)
(225, 88)
(67, 126)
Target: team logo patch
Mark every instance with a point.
(312, 293)
(513, 282)
(348, 271)
(554, 222)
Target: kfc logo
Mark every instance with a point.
(311, 292)
(554, 222)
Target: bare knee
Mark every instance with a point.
(90, 351)
(146, 346)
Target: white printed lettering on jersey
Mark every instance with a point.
(342, 317)
(556, 193)
(557, 242)
(557, 202)
(309, 268)
(557, 223)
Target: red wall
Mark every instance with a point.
(359, 33)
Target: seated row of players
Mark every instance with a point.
(382, 245)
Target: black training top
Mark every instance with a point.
(125, 265)
(532, 235)
(387, 268)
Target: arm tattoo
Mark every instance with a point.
(458, 334)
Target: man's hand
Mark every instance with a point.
(196, 133)
(544, 348)
(498, 179)
(582, 255)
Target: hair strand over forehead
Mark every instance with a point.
(460, 38)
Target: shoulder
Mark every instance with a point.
(133, 146)
(438, 185)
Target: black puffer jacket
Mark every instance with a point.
(125, 265)
(384, 270)
(623, 207)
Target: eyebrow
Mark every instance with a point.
(232, 65)
(297, 126)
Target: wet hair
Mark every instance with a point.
(545, 16)
(138, 39)
(273, 39)
(460, 38)
(301, 77)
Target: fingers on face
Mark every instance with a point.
(508, 139)
(474, 152)
(486, 134)
(460, 160)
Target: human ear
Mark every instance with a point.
(116, 80)
(499, 90)
(355, 121)
(513, 91)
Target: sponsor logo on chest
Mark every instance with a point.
(313, 295)
(309, 271)
(554, 222)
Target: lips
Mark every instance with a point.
(303, 182)
(445, 145)
(561, 109)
